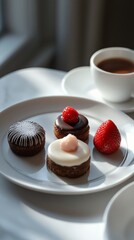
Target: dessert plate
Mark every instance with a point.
(78, 82)
(119, 215)
(31, 172)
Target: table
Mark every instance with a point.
(29, 215)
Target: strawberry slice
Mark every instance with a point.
(107, 138)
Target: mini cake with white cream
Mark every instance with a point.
(68, 157)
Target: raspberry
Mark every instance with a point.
(70, 115)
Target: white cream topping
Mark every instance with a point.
(68, 159)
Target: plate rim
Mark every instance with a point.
(72, 192)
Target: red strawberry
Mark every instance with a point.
(70, 115)
(107, 138)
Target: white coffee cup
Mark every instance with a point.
(113, 86)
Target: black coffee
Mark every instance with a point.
(117, 65)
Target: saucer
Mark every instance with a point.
(78, 82)
(119, 215)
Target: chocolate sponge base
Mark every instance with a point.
(70, 172)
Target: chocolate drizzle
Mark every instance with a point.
(82, 123)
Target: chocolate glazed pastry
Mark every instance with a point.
(79, 129)
(26, 138)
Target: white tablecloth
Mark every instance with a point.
(29, 215)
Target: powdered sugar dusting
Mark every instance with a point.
(26, 133)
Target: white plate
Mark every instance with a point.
(119, 215)
(78, 82)
(31, 172)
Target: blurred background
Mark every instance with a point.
(61, 34)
